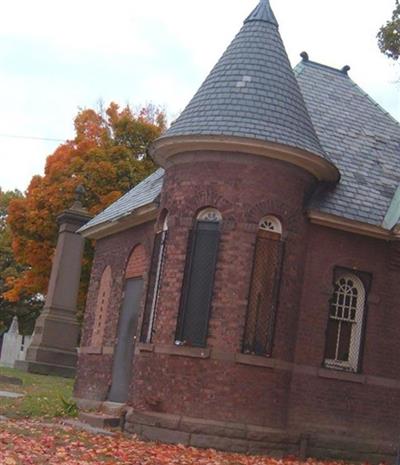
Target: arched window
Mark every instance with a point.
(156, 266)
(264, 288)
(345, 323)
(209, 215)
(103, 299)
(271, 224)
(198, 284)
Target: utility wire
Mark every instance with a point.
(48, 139)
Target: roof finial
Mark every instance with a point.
(345, 70)
(80, 193)
(304, 56)
(263, 12)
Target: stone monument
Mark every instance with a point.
(53, 349)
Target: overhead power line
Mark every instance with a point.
(47, 139)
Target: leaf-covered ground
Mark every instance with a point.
(30, 442)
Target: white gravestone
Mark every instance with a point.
(14, 346)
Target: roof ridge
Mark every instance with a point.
(374, 102)
(343, 71)
(299, 68)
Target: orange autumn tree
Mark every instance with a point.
(108, 156)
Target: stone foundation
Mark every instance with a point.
(256, 440)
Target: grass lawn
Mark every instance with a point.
(44, 396)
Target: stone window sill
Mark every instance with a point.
(142, 347)
(255, 360)
(341, 375)
(92, 350)
(96, 350)
(182, 351)
(108, 350)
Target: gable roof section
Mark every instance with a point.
(145, 193)
(251, 92)
(361, 138)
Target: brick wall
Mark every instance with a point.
(291, 390)
(137, 264)
(243, 189)
(94, 369)
(365, 404)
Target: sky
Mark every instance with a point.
(59, 56)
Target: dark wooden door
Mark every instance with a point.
(127, 326)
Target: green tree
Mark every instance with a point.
(27, 307)
(389, 35)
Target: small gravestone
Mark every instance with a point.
(10, 395)
(10, 380)
(14, 345)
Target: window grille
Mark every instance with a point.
(198, 284)
(343, 338)
(264, 289)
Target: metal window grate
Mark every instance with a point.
(263, 297)
(198, 284)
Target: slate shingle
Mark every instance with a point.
(252, 84)
(361, 139)
(316, 108)
(143, 194)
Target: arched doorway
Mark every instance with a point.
(127, 326)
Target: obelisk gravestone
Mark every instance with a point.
(53, 349)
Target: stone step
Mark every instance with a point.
(115, 409)
(100, 420)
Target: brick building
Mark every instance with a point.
(245, 295)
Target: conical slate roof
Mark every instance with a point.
(251, 92)
(263, 12)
